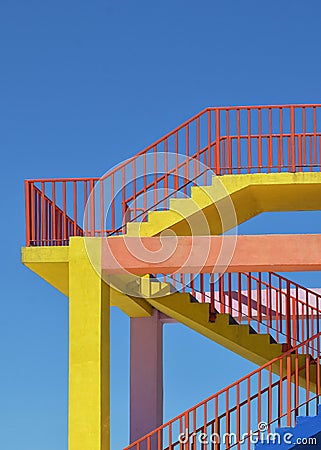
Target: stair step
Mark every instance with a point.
(305, 427)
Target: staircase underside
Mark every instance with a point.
(52, 264)
(257, 348)
(250, 195)
(232, 200)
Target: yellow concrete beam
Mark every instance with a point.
(52, 264)
(132, 306)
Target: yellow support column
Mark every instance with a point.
(89, 351)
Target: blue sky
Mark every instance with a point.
(84, 85)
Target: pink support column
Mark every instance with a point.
(146, 374)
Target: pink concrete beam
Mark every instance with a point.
(192, 254)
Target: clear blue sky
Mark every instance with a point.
(84, 85)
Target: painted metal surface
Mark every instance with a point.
(226, 286)
(234, 140)
(260, 397)
(267, 301)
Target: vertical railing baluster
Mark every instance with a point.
(288, 390)
(64, 208)
(270, 143)
(292, 125)
(288, 313)
(249, 298)
(259, 156)
(209, 125)
(28, 213)
(304, 136)
(228, 144)
(249, 152)
(92, 208)
(165, 172)
(315, 135)
(217, 164)
(86, 205)
(75, 208)
(176, 174)
(186, 166)
(280, 148)
(113, 204)
(53, 217)
(239, 297)
(238, 125)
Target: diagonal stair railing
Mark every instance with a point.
(268, 302)
(226, 140)
(239, 415)
(277, 392)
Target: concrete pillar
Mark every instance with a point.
(146, 374)
(89, 351)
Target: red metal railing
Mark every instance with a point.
(47, 224)
(230, 140)
(277, 392)
(267, 301)
(274, 394)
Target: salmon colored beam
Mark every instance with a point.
(187, 254)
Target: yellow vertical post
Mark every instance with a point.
(89, 351)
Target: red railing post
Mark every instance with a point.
(75, 208)
(53, 212)
(259, 158)
(249, 134)
(239, 159)
(49, 224)
(315, 135)
(288, 316)
(209, 125)
(176, 173)
(221, 293)
(270, 143)
(292, 124)
(217, 164)
(27, 197)
(242, 405)
(280, 146)
(212, 299)
(259, 301)
(92, 208)
(33, 219)
(64, 209)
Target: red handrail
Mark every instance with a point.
(225, 140)
(274, 395)
(267, 301)
(271, 304)
(47, 224)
